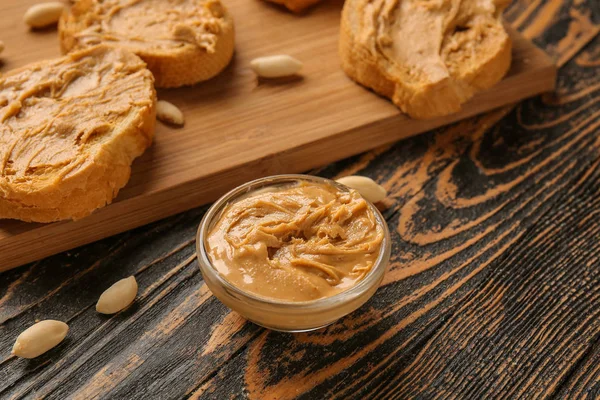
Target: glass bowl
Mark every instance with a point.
(276, 314)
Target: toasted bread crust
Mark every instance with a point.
(189, 51)
(68, 148)
(472, 51)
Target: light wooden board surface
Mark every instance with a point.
(238, 128)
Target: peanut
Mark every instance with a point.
(367, 187)
(169, 113)
(118, 296)
(275, 66)
(43, 14)
(39, 338)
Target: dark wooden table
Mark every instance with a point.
(493, 290)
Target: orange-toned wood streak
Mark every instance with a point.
(238, 128)
(493, 289)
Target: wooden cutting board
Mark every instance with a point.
(238, 128)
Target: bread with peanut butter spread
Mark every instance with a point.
(296, 5)
(69, 131)
(427, 56)
(182, 41)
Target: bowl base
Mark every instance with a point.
(301, 330)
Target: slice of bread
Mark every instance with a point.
(182, 41)
(296, 5)
(69, 131)
(427, 57)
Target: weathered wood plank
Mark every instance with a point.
(485, 214)
(579, 23)
(482, 320)
(584, 382)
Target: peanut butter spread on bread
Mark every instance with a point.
(69, 130)
(183, 41)
(428, 56)
(153, 24)
(296, 243)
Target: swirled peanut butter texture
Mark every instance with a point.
(69, 130)
(182, 41)
(153, 24)
(296, 243)
(427, 56)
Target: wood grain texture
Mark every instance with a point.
(493, 291)
(238, 128)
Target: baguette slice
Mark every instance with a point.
(296, 5)
(428, 57)
(182, 41)
(69, 131)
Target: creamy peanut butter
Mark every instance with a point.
(300, 242)
(55, 118)
(154, 24)
(431, 55)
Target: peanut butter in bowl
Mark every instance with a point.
(293, 252)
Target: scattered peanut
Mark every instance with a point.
(39, 338)
(367, 187)
(118, 296)
(275, 66)
(44, 14)
(1, 46)
(169, 113)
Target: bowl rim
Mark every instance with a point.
(373, 277)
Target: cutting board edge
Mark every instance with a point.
(51, 239)
(46, 240)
